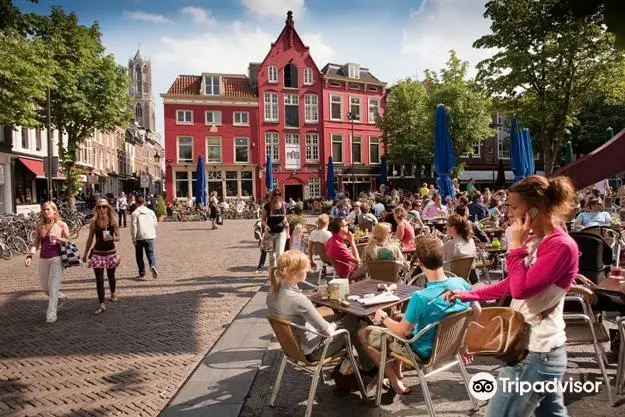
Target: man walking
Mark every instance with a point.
(143, 232)
(122, 206)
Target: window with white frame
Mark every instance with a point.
(356, 149)
(337, 148)
(311, 107)
(335, 84)
(312, 147)
(185, 149)
(374, 109)
(503, 145)
(247, 184)
(374, 150)
(314, 188)
(272, 146)
(38, 140)
(474, 152)
(232, 184)
(271, 107)
(292, 151)
(213, 149)
(241, 118)
(274, 184)
(373, 89)
(212, 85)
(354, 108)
(308, 76)
(336, 107)
(25, 138)
(273, 74)
(241, 150)
(353, 86)
(291, 110)
(213, 117)
(182, 117)
(182, 184)
(354, 71)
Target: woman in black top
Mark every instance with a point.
(274, 219)
(105, 228)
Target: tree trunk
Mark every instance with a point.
(69, 168)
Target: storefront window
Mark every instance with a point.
(231, 184)
(214, 183)
(182, 184)
(247, 185)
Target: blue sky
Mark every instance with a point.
(393, 38)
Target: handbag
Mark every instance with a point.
(345, 379)
(220, 219)
(500, 332)
(69, 254)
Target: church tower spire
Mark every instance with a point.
(140, 72)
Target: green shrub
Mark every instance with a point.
(161, 207)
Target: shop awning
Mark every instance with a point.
(36, 167)
(602, 163)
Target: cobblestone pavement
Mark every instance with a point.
(132, 359)
(448, 393)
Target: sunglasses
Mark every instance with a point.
(101, 207)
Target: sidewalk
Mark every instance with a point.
(222, 380)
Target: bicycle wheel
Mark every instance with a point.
(4, 251)
(32, 236)
(19, 244)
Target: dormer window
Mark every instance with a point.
(353, 70)
(211, 85)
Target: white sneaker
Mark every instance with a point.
(51, 320)
(154, 272)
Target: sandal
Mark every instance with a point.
(114, 297)
(100, 311)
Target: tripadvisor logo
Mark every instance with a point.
(483, 386)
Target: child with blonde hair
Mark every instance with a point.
(298, 241)
(286, 301)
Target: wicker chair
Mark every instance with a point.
(294, 355)
(585, 329)
(462, 265)
(389, 271)
(448, 339)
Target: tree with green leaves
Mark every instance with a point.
(548, 61)
(90, 91)
(409, 116)
(596, 122)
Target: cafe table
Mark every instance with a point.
(494, 231)
(360, 288)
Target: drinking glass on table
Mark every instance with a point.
(323, 289)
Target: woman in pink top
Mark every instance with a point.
(405, 231)
(541, 271)
(51, 232)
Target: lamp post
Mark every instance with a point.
(351, 116)
(50, 164)
(610, 132)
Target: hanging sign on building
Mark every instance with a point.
(293, 159)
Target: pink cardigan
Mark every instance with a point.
(557, 259)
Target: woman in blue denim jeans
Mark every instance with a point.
(541, 269)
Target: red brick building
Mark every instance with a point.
(282, 109)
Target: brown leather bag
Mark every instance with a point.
(500, 332)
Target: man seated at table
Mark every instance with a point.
(346, 262)
(595, 216)
(435, 208)
(477, 208)
(366, 220)
(425, 307)
(319, 235)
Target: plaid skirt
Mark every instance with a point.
(104, 259)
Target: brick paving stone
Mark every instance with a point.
(132, 359)
(448, 393)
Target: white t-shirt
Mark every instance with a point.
(322, 236)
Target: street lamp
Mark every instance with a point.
(610, 131)
(50, 164)
(351, 116)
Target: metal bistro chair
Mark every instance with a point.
(620, 368)
(420, 280)
(310, 228)
(294, 355)
(384, 270)
(585, 329)
(462, 265)
(448, 340)
(319, 249)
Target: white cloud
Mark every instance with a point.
(414, 13)
(199, 16)
(274, 8)
(148, 17)
(441, 25)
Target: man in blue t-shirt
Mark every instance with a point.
(425, 307)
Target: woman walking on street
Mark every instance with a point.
(105, 229)
(274, 219)
(122, 206)
(213, 206)
(51, 231)
(541, 269)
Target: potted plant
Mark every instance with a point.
(161, 208)
(327, 206)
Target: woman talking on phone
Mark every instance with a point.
(541, 270)
(105, 228)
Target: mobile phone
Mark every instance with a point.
(533, 212)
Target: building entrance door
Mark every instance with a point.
(295, 191)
